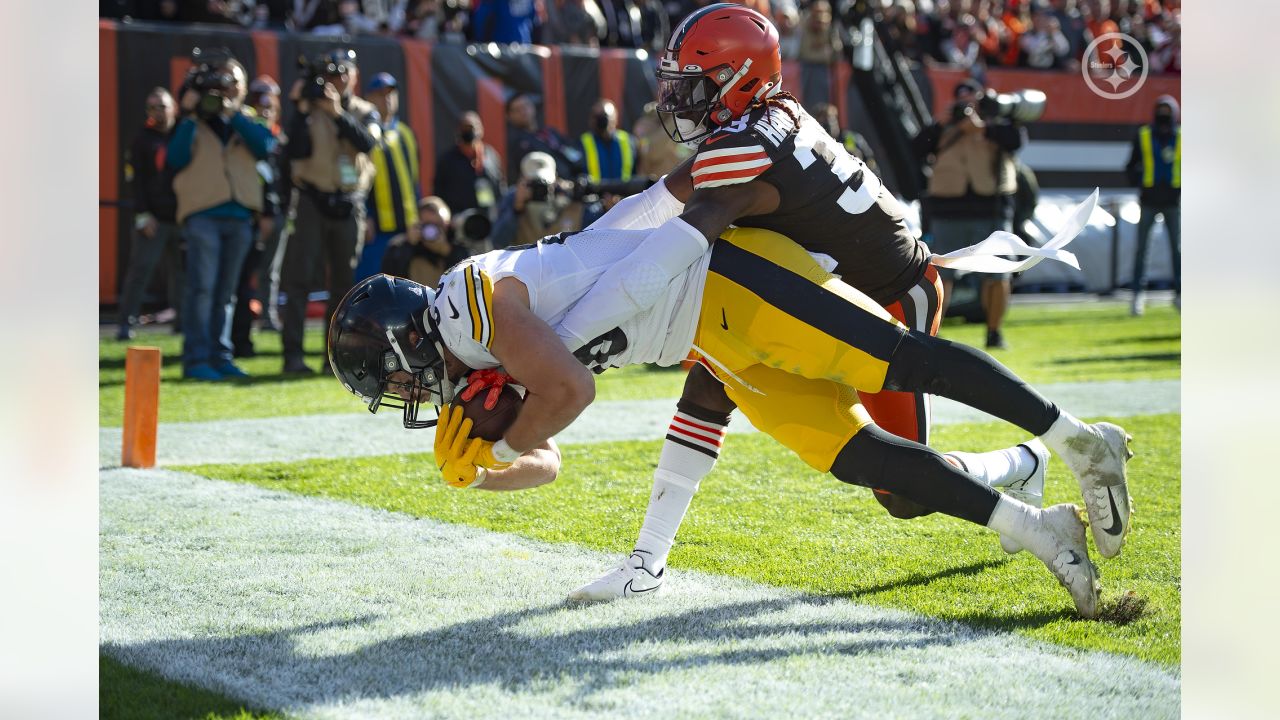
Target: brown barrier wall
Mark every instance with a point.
(439, 82)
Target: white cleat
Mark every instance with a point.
(1098, 459)
(1067, 557)
(630, 579)
(1030, 490)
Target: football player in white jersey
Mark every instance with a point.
(760, 312)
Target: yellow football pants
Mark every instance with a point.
(792, 343)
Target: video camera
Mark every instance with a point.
(316, 71)
(472, 227)
(1019, 106)
(211, 76)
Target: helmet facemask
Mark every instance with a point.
(685, 105)
(691, 103)
(385, 347)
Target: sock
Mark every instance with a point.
(999, 468)
(1019, 521)
(690, 452)
(1061, 432)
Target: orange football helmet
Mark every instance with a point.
(719, 62)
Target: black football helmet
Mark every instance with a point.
(369, 339)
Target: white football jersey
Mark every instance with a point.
(558, 271)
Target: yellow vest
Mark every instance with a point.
(400, 149)
(592, 153)
(320, 170)
(1149, 161)
(971, 162)
(216, 174)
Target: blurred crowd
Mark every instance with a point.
(252, 197)
(1038, 34)
(1042, 34)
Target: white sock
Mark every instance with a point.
(1061, 432)
(690, 452)
(998, 468)
(1018, 520)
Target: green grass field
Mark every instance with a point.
(1074, 343)
(762, 515)
(765, 516)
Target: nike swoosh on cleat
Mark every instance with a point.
(1075, 559)
(1115, 516)
(453, 311)
(628, 590)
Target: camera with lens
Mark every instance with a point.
(1019, 106)
(472, 227)
(212, 77)
(540, 190)
(316, 71)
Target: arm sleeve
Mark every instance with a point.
(648, 209)
(634, 283)
(299, 134)
(729, 159)
(363, 135)
(178, 155)
(257, 137)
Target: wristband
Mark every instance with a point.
(502, 452)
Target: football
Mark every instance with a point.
(491, 424)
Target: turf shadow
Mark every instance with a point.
(914, 580)
(500, 650)
(1169, 357)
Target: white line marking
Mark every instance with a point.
(324, 609)
(361, 434)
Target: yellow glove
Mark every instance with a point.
(463, 461)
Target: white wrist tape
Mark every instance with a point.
(502, 452)
(634, 283)
(648, 209)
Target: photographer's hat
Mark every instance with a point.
(538, 166)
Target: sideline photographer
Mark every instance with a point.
(424, 252)
(973, 180)
(330, 137)
(540, 204)
(214, 153)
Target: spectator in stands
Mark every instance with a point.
(525, 137)
(424, 252)
(608, 153)
(155, 229)
(503, 21)
(393, 203)
(330, 138)
(1045, 47)
(971, 189)
(1155, 167)
(1166, 57)
(786, 17)
(469, 174)
(539, 204)
(1017, 21)
(961, 49)
(658, 153)
(573, 22)
(1074, 27)
(214, 153)
(819, 37)
(256, 278)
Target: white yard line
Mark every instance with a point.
(362, 434)
(325, 609)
